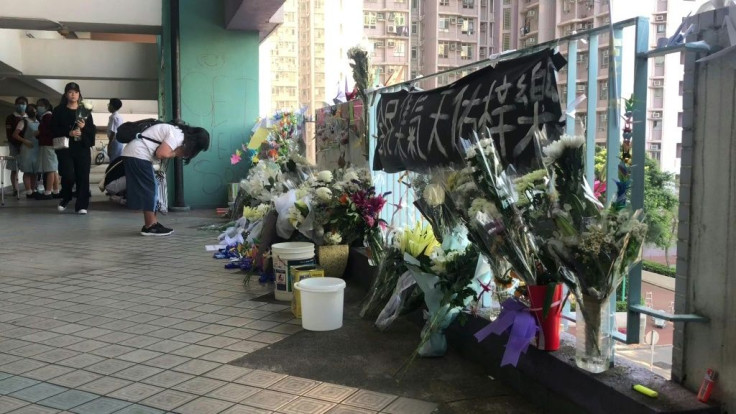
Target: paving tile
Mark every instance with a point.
(36, 409)
(140, 341)
(222, 356)
(12, 384)
(268, 337)
(102, 405)
(105, 385)
(228, 373)
(346, 409)
(246, 346)
(214, 329)
(404, 405)
(30, 350)
(303, 405)
(8, 404)
(286, 328)
(270, 400)
(68, 399)
(330, 392)
(204, 405)
(233, 392)
(112, 351)
(196, 367)
(169, 399)
(56, 355)
(294, 385)
(168, 379)
(135, 392)
(48, 372)
(62, 341)
(81, 361)
(139, 409)
(261, 379)
(21, 366)
(217, 341)
(38, 392)
(74, 379)
(92, 332)
(137, 372)
(7, 359)
(193, 351)
(167, 361)
(139, 355)
(109, 366)
(245, 409)
(167, 345)
(199, 385)
(166, 333)
(261, 325)
(87, 345)
(369, 399)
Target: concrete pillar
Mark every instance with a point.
(219, 91)
(706, 264)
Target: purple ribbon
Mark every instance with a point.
(514, 315)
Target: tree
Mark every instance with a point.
(660, 201)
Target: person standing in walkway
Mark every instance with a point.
(158, 142)
(15, 130)
(114, 148)
(29, 152)
(47, 161)
(72, 120)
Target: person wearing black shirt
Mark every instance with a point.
(72, 120)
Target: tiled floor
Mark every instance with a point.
(96, 319)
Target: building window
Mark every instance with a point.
(678, 151)
(414, 52)
(443, 24)
(604, 58)
(682, 87)
(444, 2)
(400, 48)
(603, 90)
(443, 50)
(369, 20)
(658, 92)
(468, 27)
(661, 28)
(602, 121)
(414, 4)
(506, 2)
(679, 119)
(506, 44)
(466, 52)
(507, 18)
(414, 28)
(659, 61)
(468, 4)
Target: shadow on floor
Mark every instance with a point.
(358, 355)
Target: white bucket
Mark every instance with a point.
(286, 255)
(322, 302)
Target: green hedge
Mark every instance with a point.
(658, 268)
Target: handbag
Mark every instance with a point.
(61, 143)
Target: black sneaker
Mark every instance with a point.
(42, 196)
(156, 230)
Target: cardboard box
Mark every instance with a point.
(300, 273)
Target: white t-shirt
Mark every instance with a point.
(113, 123)
(144, 149)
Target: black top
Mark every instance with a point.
(63, 122)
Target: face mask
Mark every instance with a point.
(41, 110)
(20, 108)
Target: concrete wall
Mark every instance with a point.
(219, 91)
(706, 264)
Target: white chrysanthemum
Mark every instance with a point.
(350, 175)
(323, 193)
(295, 217)
(325, 176)
(87, 105)
(333, 238)
(434, 195)
(470, 153)
(554, 151)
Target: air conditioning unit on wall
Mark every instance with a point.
(659, 18)
(657, 82)
(390, 29)
(656, 115)
(453, 46)
(391, 43)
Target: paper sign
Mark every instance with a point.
(213, 247)
(257, 139)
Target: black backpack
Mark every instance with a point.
(128, 131)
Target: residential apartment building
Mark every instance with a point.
(305, 59)
(386, 24)
(524, 23)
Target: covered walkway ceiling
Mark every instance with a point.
(109, 47)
